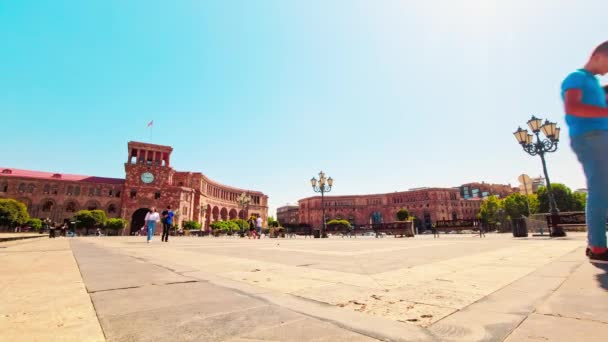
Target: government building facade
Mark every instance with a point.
(428, 205)
(150, 181)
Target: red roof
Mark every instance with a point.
(9, 172)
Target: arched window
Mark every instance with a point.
(4, 187)
(22, 187)
(30, 188)
(77, 191)
(92, 206)
(47, 206)
(111, 209)
(70, 207)
(376, 218)
(47, 189)
(70, 191)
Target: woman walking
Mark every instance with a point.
(152, 218)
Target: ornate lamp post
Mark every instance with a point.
(243, 200)
(540, 147)
(322, 185)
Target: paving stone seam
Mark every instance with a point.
(90, 299)
(550, 292)
(142, 286)
(371, 334)
(569, 317)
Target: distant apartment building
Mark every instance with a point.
(288, 214)
(484, 190)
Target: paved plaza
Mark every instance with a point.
(455, 288)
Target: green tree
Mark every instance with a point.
(191, 225)
(84, 219)
(116, 223)
(34, 223)
(534, 203)
(564, 198)
(579, 201)
(489, 210)
(402, 215)
(272, 222)
(516, 205)
(100, 217)
(12, 212)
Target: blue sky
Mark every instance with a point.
(381, 95)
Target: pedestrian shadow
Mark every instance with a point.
(602, 279)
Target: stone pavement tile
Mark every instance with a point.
(412, 276)
(356, 321)
(438, 294)
(338, 294)
(474, 325)
(211, 299)
(228, 283)
(386, 304)
(558, 329)
(305, 329)
(584, 295)
(273, 281)
(520, 297)
(99, 269)
(44, 298)
(191, 323)
(407, 312)
(557, 269)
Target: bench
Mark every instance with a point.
(457, 225)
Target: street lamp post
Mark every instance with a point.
(243, 200)
(322, 185)
(541, 147)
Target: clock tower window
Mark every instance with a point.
(133, 194)
(157, 195)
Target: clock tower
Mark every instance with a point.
(149, 176)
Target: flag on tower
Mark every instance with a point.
(150, 124)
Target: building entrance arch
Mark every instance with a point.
(138, 219)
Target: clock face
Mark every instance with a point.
(147, 177)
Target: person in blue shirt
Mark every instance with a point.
(587, 120)
(167, 223)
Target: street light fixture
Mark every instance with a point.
(322, 185)
(541, 147)
(243, 200)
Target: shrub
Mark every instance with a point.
(116, 223)
(191, 225)
(34, 223)
(225, 226)
(338, 225)
(402, 214)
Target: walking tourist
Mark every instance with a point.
(152, 218)
(167, 223)
(251, 227)
(587, 119)
(258, 226)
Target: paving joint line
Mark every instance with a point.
(105, 337)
